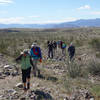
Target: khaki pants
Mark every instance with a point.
(35, 68)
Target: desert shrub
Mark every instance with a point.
(71, 38)
(98, 54)
(96, 90)
(95, 43)
(79, 43)
(67, 83)
(75, 69)
(3, 46)
(94, 67)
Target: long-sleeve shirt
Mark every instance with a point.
(71, 49)
(35, 53)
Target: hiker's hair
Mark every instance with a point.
(71, 43)
(25, 51)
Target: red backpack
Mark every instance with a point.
(36, 50)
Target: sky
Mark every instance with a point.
(47, 11)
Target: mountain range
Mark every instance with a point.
(73, 24)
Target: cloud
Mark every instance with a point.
(11, 20)
(26, 20)
(84, 7)
(33, 16)
(6, 1)
(95, 13)
(61, 21)
(17, 20)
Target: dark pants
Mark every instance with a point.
(64, 51)
(71, 55)
(50, 53)
(26, 74)
(54, 51)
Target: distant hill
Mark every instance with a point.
(87, 23)
(78, 23)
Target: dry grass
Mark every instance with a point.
(13, 41)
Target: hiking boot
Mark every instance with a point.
(34, 74)
(28, 85)
(38, 72)
(25, 89)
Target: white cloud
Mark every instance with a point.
(17, 20)
(11, 20)
(61, 21)
(26, 20)
(33, 16)
(6, 1)
(84, 7)
(95, 13)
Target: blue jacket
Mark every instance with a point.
(63, 46)
(71, 49)
(35, 53)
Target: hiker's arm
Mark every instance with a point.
(31, 61)
(31, 52)
(74, 49)
(40, 53)
(68, 49)
(19, 58)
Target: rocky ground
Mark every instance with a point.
(49, 86)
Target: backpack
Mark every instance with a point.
(63, 45)
(36, 51)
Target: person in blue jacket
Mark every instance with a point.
(36, 55)
(71, 51)
(63, 47)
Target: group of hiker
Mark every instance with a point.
(30, 57)
(54, 46)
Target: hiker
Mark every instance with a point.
(59, 43)
(50, 49)
(26, 63)
(54, 47)
(36, 55)
(71, 51)
(58, 47)
(63, 47)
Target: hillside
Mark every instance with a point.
(74, 24)
(59, 80)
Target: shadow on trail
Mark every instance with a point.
(41, 95)
(49, 78)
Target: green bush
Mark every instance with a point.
(94, 67)
(75, 69)
(95, 43)
(98, 54)
(3, 46)
(79, 43)
(96, 90)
